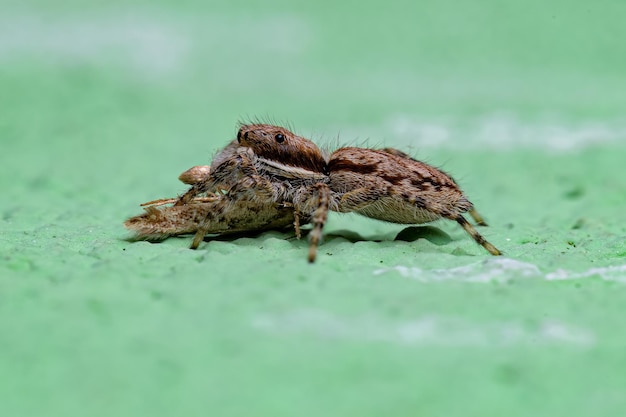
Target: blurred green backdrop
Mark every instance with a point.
(102, 105)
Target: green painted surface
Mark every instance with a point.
(102, 107)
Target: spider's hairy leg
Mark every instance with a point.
(297, 216)
(477, 218)
(201, 181)
(193, 176)
(476, 236)
(229, 166)
(320, 196)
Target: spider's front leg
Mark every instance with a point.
(228, 167)
(315, 200)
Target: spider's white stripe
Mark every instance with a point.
(290, 171)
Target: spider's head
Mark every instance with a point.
(279, 145)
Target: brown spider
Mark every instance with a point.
(270, 170)
(381, 184)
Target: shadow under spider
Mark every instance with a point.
(432, 234)
(408, 234)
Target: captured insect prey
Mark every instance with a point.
(243, 216)
(271, 178)
(200, 205)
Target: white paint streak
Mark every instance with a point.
(502, 270)
(149, 44)
(142, 44)
(491, 270)
(430, 330)
(496, 131)
(610, 273)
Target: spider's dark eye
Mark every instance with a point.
(280, 138)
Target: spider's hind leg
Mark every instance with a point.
(478, 238)
(477, 218)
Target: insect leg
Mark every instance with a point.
(254, 190)
(210, 218)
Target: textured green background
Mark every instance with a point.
(101, 108)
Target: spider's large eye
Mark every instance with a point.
(280, 138)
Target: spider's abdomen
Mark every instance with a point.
(394, 188)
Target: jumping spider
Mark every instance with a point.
(270, 168)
